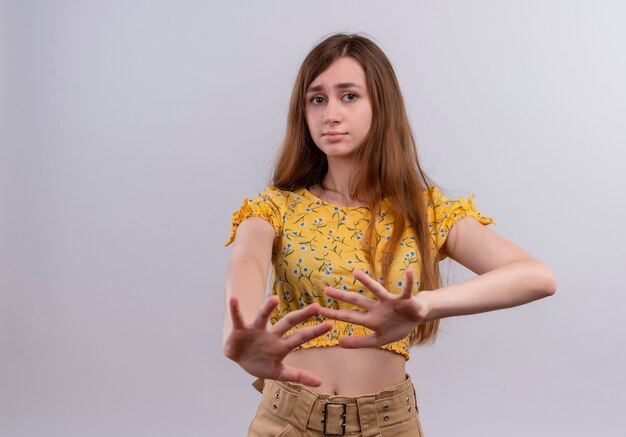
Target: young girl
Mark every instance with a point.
(354, 230)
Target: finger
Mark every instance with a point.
(352, 316)
(376, 288)
(300, 376)
(293, 318)
(350, 297)
(235, 314)
(305, 334)
(407, 290)
(358, 341)
(266, 309)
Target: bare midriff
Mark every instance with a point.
(350, 372)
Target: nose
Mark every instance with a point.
(332, 114)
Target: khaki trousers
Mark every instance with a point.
(293, 410)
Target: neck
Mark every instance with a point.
(338, 177)
(336, 182)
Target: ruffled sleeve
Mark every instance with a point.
(265, 206)
(447, 212)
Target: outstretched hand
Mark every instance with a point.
(392, 317)
(260, 349)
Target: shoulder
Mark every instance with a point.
(270, 192)
(451, 207)
(434, 196)
(283, 199)
(437, 204)
(270, 196)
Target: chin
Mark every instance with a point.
(337, 150)
(340, 155)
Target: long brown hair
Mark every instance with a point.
(387, 164)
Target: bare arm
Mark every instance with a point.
(247, 339)
(248, 266)
(508, 276)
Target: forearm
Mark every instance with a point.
(511, 285)
(246, 281)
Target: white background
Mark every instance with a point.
(130, 130)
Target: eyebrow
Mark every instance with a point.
(313, 89)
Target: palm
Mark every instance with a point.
(392, 320)
(260, 349)
(391, 317)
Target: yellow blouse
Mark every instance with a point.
(317, 245)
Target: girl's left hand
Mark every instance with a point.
(392, 317)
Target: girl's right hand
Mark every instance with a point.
(260, 349)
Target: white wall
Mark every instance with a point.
(132, 130)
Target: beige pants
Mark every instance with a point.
(292, 410)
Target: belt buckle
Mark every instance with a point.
(343, 417)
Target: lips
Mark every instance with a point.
(334, 136)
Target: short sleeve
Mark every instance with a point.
(447, 212)
(265, 206)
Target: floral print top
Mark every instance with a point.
(317, 244)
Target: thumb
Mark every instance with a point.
(300, 376)
(370, 340)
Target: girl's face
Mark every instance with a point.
(338, 110)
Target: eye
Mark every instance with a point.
(350, 97)
(317, 100)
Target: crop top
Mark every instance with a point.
(317, 244)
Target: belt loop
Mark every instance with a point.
(367, 416)
(302, 410)
(258, 384)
